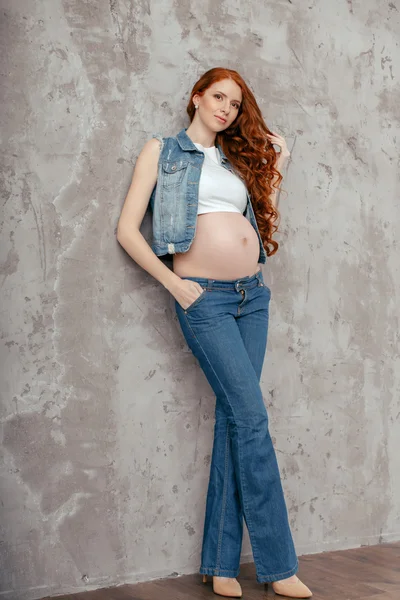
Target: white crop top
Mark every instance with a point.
(219, 189)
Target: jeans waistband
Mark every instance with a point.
(248, 282)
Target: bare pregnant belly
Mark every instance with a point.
(225, 247)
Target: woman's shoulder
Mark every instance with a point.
(159, 135)
(162, 139)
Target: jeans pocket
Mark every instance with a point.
(196, 302)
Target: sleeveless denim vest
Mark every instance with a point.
(174, 199)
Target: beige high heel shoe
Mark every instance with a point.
(291, 589)
(225, 586)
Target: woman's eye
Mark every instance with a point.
(219, 96)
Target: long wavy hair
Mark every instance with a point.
(249, 150)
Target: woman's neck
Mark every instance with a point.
(200, 136)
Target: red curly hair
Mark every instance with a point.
(249, 150)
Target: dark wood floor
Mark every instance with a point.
(367, 573)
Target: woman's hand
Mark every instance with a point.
(277, 139)
(186, 292)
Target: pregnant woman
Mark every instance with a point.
(212, 191)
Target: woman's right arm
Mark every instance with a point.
(136, 202)
(128, 231)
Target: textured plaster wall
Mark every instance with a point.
(106, 417)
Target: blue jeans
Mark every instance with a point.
(226, 328)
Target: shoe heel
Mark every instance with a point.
(204, 578)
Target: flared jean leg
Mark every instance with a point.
(228, 525)
(223, 523)
(216, 340)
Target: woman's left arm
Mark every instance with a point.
(281, 159)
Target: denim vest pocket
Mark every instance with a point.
(173, 173)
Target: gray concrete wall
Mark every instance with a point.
(106, 417)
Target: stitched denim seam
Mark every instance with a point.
(213, 571)
(211, 288)
(241, 304)
(277, 576)
(284, 572)
(254, 548)
(224, 498)
(245, 506)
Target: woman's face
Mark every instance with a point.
(219, 105)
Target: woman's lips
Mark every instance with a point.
(221, 119)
